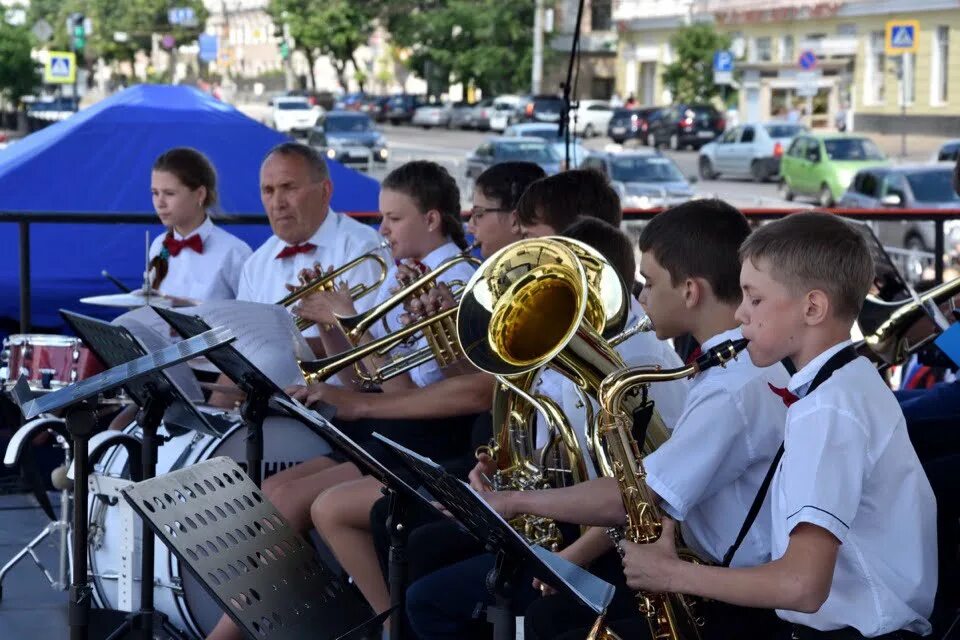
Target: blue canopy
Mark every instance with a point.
(99, 161)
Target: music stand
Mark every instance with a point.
(257, 386)
(510, 548)
(398, 491)
(247, 557)
(139, 376)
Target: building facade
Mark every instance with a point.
(852, 74)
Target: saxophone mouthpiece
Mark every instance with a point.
(721, 354)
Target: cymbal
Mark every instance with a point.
(130, 300)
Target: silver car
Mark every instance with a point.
(644, 178)
(432, 115)
(928, 186)
(748, 150)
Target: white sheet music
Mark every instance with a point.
(266, 335)
(146, 326)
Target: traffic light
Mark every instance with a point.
(284, 50)
(77, 32)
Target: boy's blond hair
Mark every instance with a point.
(808, 251)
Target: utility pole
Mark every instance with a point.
(226, 40)
(536, 79)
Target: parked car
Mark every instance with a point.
(432, 115)
(350, 101)
(643, 178)
(550, 133)
(481, 114)
(752, 149)
(496, 150)
(322, 99)
(461, 115)
(686, 125)
(375, 107)
(506, 111)
(631, 124)
(541, 108)
(52, 109)
(591, 117)
(294, 115)
(823, 165)
(949, 151)
(401, 107)
(349, 137)
(928, 186)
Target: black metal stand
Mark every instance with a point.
(500, 585)
(254, 410)
(397, 563)
(81, 423)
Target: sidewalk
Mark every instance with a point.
(919, 148)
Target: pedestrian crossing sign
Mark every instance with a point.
(61, 68)
(902, 36)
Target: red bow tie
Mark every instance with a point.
(696, 353)
(785, 395)
(288, 251)
(174, 246)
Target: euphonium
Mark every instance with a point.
(670, 616)
(530, 305)
(327, 281)
(887, 338)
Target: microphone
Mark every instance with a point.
(116, 282)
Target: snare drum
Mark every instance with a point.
(48, 361)
(177, 594)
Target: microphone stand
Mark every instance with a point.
(567, 86)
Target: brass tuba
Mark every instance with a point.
(671, 616)
(885, 324)
(530, 305)
(327, 281)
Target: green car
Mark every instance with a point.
(823, 165)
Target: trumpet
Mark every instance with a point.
(671, 616)
(327, 281)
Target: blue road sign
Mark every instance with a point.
(208, 47)
(182, 16)
(808, 60)
(901, 36)
(723, 61)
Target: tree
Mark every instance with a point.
(18, 72)
(335, 28)
(690, 77)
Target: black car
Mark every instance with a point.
(324, 99)
(401, 107)
(686, 125)
(349, 137)
(541, 108)
(630, 124)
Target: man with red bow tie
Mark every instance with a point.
(296, 189)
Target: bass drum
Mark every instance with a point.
(177, 593)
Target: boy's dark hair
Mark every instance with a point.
(816, 251)
(560, 199)
(191, 168)
(699, 239)
(507, 181)
(431, 187)
(609, 241)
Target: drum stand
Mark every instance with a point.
(59, 527)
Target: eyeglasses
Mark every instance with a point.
(476, 213)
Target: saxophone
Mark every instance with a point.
(671, 616)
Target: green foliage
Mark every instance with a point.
(488, 42)
(335, 28)
(690, 77)
(18, 72)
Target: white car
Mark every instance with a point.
(294, 115)
(506, 111)
(753, 149)
(591, 118)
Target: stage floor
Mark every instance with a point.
(30, 608)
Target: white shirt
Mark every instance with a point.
(708, 473)
(640, 349)
(849, 467)
(339, 239)
(429, 372)
(211, 275)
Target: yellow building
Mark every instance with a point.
(851, 74)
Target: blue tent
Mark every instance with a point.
(98, 161)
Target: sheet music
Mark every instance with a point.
(478, 516)
(143, 323)
(266, 335)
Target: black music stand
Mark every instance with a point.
(142, 380)
(399, 492)
(510, 548)
(257, 386)
(247, 557)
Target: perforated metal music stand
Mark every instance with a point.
(143, 381)
(235, 543)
